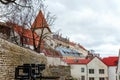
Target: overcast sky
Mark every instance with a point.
(95, 24)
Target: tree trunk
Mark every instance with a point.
(40, 41)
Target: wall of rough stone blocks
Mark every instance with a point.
(12, 55)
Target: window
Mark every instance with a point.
(82, 69)
(102, 78)
(101, 71)
(64, 51)
(82, 77)
(91, 78)
(51, 44)
(91, 71)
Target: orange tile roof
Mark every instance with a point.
(40, 22)
(77, 61)
(26, 33)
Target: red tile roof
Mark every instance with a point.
(40, 22)
(25, 33)
(110, 61)
(77, 61)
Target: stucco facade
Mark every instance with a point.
(78, 71)
(97, 69)
(53, 61)
(111, 62)
(93, 69)
(112, 72)
(118, 68)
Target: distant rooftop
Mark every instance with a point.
(110, 61)
(77, 61)
(68, 52)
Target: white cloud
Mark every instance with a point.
(107, 50)
(94, 24)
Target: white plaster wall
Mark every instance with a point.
(49, 42)
(118, 67)
(63, 63)
(53, 61)
(61, 42)
(112, 72)
(97, 64)
(38, 31)
(31, 47)
(84, 52)
(76, 71)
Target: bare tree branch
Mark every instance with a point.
(7, 1)
(25, 17)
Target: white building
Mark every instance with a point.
(86, 69)
(97, 70)
(78, 68)
(111, 62)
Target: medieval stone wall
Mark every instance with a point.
(12, 55)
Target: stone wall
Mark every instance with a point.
(12, 55)
(61, 71)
